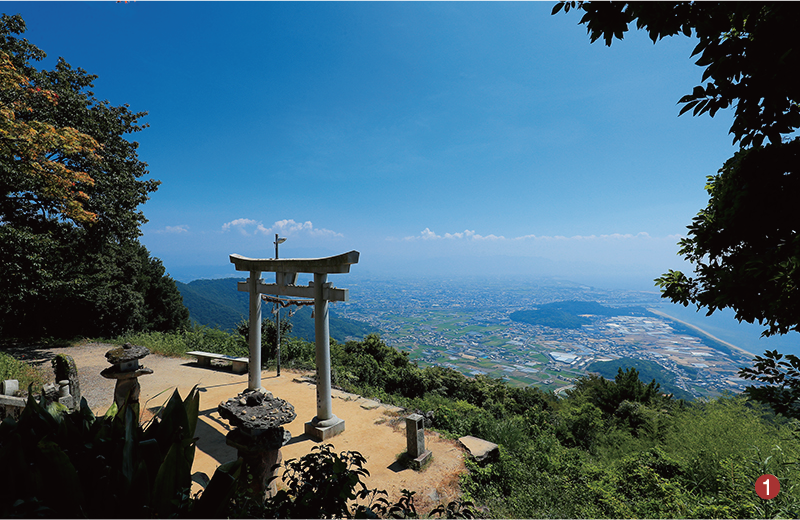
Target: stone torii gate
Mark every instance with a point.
(325, 424)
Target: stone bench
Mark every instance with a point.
(238, 364)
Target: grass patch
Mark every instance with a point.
(12, 368)
(177, 344)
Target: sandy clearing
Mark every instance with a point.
(377, 434)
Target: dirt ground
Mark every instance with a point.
(374, 431)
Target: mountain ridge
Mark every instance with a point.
(218, 303)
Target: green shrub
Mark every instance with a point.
(12, 368)
(723, 429)
(77, 465)
(177, 344)
(324, 484)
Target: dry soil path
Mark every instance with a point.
(377, 433)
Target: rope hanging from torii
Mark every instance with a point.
(285, 302)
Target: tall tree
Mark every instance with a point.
(744, 245)
(33, 176)
(70, 188)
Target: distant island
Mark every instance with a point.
(219, 303)
(572, 314)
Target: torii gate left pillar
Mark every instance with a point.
(325, 424)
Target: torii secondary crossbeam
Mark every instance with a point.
(325, 424)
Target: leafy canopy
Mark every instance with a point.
(748, 50)
(33, 151)
(744, 245)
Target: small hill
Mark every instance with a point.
(571, 314)
(219, 303)
(211, 306)
(648, 370)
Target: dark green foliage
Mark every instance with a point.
(95, 272)
(70, 465)
(215, 303)
(320, 485)
(269, 338)
(571, 314)
(782, 376)
(370, 365)
(324, 484)
(648, 370)
(701, 464)
(744, 243)
(268, 332)
(627, 386)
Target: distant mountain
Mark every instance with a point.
(648, 370)
(571, 314)
(219, 303)
(215, 303)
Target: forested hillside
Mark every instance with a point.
(572, 314)
(648, 371)
(219, 303)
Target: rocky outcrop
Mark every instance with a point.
(479, 449)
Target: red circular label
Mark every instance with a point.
(767, 486)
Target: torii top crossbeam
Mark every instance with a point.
(331, 264)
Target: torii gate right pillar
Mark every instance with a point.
(325, 424)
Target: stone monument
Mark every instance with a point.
(65, 370)
(126, 370)
(415, 441)
(325, 424)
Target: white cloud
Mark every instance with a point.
(286, 227)
(183, 228)
(427, 234)
(239, 223)
(588, 238)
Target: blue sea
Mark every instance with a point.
(723, 325)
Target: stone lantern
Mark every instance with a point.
(257, 418)
(126, 370)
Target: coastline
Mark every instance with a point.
(701, 331)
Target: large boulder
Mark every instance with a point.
(479, 449)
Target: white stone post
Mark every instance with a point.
(325, 424)
(322, 339)
(254, 377)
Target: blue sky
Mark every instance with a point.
(435, 138)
